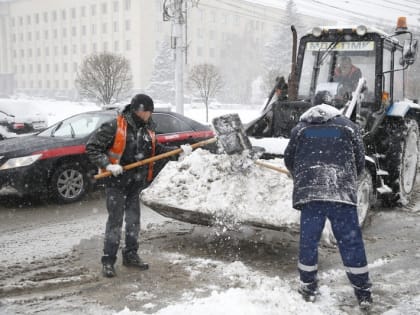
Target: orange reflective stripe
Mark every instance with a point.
(117, 149)
(150, 172)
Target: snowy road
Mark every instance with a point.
(50, 254)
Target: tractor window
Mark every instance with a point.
(386, 67)
(337, 70)
(398, 78)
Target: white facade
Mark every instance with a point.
(44, 41)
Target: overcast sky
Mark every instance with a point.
(347, 11)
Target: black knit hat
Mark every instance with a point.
(143, 103)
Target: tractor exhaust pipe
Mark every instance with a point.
(292, 86)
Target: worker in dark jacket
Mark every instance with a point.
(347, 74)
(125, 140)
(325, 155)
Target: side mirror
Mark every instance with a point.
(409, 51)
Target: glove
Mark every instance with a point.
(115, 169)
(186, 150)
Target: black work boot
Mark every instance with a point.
(131, 259)
(108, 270)
(309, 291)
(364, 296)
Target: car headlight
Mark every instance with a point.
(20, 161)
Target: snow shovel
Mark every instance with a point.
(157, 157)
(231, 135)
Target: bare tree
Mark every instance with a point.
(105, 77)
(207, 79)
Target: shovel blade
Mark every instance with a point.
(231, 134)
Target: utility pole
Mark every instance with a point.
(172, 11)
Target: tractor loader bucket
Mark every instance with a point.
(173, 201)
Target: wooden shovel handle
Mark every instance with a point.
(157, 157)
(273, 167)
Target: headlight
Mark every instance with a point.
(20, 161)
(361, 30)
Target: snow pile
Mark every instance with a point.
(230, 188)
(251, 293)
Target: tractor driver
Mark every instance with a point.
(347, 74)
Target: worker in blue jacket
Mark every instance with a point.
(325, 155)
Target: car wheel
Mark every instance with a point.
(69, 183)
(365, 196)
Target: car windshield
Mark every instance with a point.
(78, 126)
(336, 67)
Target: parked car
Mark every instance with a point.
(54, 161)
(13, 125)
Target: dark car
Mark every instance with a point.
(54, 160)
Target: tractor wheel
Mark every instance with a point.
(402, 158)
(69, 183)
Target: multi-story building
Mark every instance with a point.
(44, 41)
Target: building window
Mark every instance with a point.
(63, 14)
(55, 33)
(105, 45)
(65, 50)
(54, 16)
(127, 4)
(84, 49)
(83, 11)
(48, 84)
(64, 32)
(104, 28)
(74, 49)
(22, 53)
(57, 85)
(47, 68)
(46, 34)
(37, 35)
(115, 6)
(31, 68)
(38, 51)
(93, 29)
(14, 53)
(127, 25)
(66, 84)
(22, 68)
(83, 30)
(212, 35)
(199, 51)
(45, 14)
(30, 53)
(13, 21)
(94, 47)
(115, 26)
(28, 20)
(21, 37)
(73, 13)
(14, 37)
(74, 66)
(93, 9)
(29, 37)
(55, 67)
(20, 20)
(47, 51)
(104, 8)
(127, 45)
(65, 67)
(38, 68)
(73, 31)
(37, 18)
(55, 51)
(116, 46)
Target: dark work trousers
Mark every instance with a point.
(346, 229)
(120, 201)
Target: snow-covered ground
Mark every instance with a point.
(44, 243)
